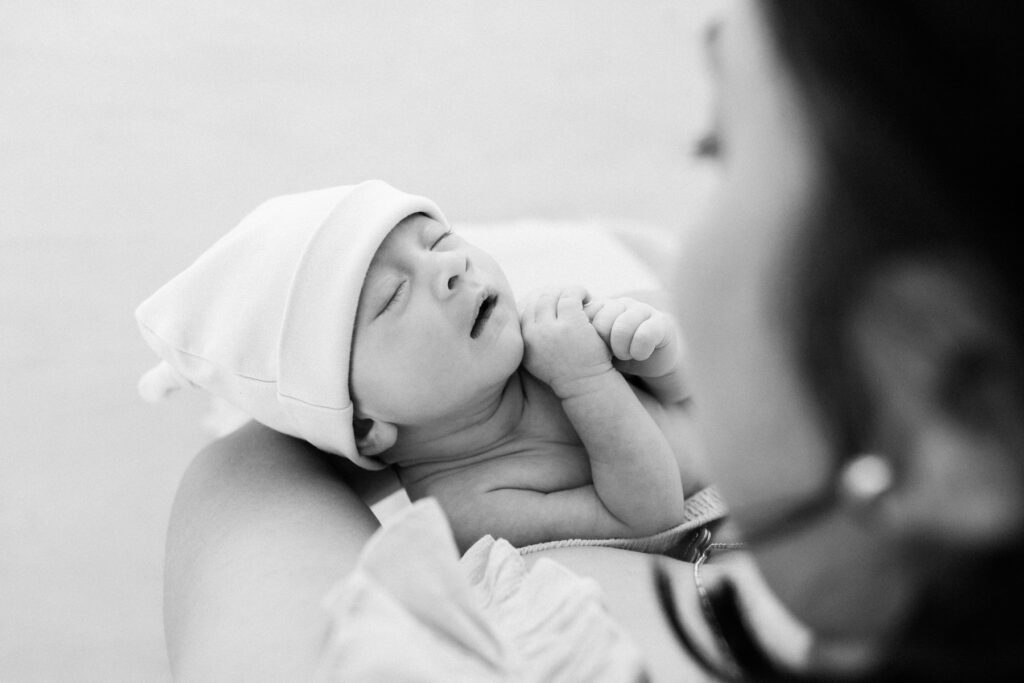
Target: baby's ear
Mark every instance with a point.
(373, 437)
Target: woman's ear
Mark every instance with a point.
(373, 437)
(946, 381)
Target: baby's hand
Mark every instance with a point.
(643, 339)
(563, 349)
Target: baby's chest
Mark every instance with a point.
(536, 465)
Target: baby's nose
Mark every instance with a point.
(452, 268)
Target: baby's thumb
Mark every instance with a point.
(592, 307)
(161, 381)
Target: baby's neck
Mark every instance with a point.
(476, 433)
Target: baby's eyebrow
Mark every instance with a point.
(383, 274)
(424, 229)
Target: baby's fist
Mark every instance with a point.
(642, 339)
(562, 347)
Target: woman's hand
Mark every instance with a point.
(563, 349)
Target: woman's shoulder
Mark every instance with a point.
(249, 459)
(261, 527)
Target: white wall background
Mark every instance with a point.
(132, 134)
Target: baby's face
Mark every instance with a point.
(437, 327)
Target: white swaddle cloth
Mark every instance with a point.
(411, 610)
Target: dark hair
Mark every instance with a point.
(912, 102)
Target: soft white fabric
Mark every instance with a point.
(264, 317)
(413, 611)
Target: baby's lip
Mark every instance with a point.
(484, 304)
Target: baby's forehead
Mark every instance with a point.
(409, 228)
(387, 258)
(410, 231)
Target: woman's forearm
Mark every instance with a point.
(632, 464)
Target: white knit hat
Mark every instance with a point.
(264, 318)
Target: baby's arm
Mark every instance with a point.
(633, 467)
(645, 344)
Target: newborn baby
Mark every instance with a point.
(355, 318)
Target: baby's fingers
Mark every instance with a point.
(604, 318)
(545, 306)
(624, 331)
(569, 306)
(570, 302)
(593, 307)
(649, 335)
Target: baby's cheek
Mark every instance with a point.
(512, 351)
(515, 335)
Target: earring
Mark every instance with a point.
(866, 478)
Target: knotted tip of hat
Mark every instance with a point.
(161, 381)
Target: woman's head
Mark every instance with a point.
(855, 292)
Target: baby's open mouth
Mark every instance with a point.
(486, 308)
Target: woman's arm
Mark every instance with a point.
(262, 526)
